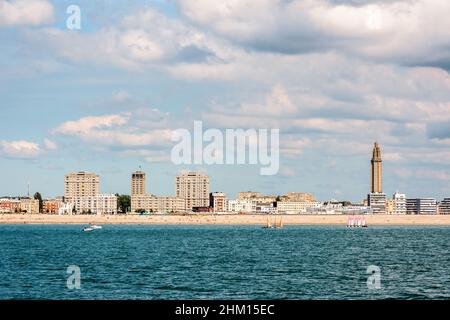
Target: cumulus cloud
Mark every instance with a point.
(403, 31)
(25, 12)
(139, 41)
(110, 130)
(21, 149)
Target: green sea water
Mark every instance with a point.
(224, 262)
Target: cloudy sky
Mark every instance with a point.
(333, 75)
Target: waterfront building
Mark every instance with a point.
(376, 170)
(244, 195)
(444, 206)
(377, 202)
(80, 184)
(390, 206)
(193, 187)
(399, 203)
(411, 206)
(421, 206)
(297, 207)
(218, 201)
(8, 205)
(298, 197)
(138, 183)
(265, 208)
(66, 208)
(100, 203)
(29, 205)
(152, 203)
(241, 205)
(51, 206)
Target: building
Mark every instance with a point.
(296, 207)
(218, 201)
(390, 206)
(51, 206)
(377, 202)
(28, 205)
(98, 204)
(66, 208)
(421, 206)
(8, 205)
(376, 170)
(241, 205)
(193, 187)
(444, 206)
(399, 203)
(152, 203)
(411, 206)
(137, 183)
(248, 194)
(80, 184)
(298, 197)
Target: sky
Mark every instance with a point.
(334, 76)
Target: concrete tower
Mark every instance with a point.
(137, 183)
(376, 170)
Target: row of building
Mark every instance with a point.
(192, 194)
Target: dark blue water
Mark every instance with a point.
(224, 262)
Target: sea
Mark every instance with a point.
(172, 262)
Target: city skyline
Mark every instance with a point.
(189, 185)
(114, 111)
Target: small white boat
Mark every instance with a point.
(88, 229)
(95, 227)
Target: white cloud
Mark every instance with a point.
(403, 30)
(25, 12)
(19, 149)
(117, 130)
(50, 145)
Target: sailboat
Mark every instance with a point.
(280, 225)
(268, 225)
(275, 225)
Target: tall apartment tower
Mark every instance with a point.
(376, 170)
(193, 187)
(81, 184)
(137, 183)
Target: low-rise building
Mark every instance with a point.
(8, 205)
(152, 203)
(421, 206)
(296, 207)
(241, 205)
(100, 203)
(390, 206)
(298, 197)
(66, 208)
(377, 201)
(28, 205)
(218, 201)
(444, 206)
(399, 203)
(51, 206)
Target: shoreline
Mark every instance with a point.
(220, 219)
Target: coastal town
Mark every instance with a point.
(192, 195)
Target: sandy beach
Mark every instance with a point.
(220, 219)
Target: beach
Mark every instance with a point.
(221, 219)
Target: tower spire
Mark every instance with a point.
(376, 170)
